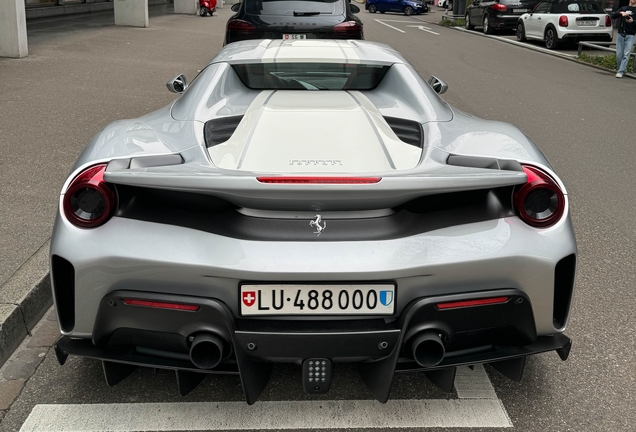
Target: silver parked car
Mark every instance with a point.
(311, 202)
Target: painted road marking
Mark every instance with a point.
(477, 407)
(394, 28)
(426, 29)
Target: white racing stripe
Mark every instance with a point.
(477, 407)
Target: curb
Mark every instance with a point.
(24, 299)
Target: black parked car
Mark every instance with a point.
(293, 19)
(497, 14)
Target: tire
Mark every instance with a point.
(203, 11)
(521, 32)
(551, 38)
(467, 24)
(372, 8)
(487, 28)
(408, 10)
(449, 6)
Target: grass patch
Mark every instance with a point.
(606, 61)
(452, 23)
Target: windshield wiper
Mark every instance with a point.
(301, 13)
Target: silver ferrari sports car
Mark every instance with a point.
(311, 202)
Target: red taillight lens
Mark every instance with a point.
(320, 180)
(499, 7)
(89, 201)
(238, 30)
(347, 30)
(471, 303)
(608, 21)
(563, 21)
(539, 202)
(161, 305)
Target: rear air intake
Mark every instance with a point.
(63, 275)
(407, 130)
(563, 286)
(219, 130)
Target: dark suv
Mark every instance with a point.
(293, 19)
(497, 14)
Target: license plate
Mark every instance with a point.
(520, 10)
(377, 299)
(294, 36)
(586, 23)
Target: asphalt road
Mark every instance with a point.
(80, 76)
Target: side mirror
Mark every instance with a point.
(438, 85)
(235, 7)
(354, 9)
(177, 84)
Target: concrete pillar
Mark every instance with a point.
(190, 7)
(13, 35)
(132, 13)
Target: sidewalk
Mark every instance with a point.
(82, 73)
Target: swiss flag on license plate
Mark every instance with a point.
(249, 298)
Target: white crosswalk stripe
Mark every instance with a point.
(477, 406)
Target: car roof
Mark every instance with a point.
(308, 51)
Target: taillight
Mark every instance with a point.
(499, 7)
(347, 30)
(563, 21)
(608, 21)
(539, 202)
(319, 180)
(89, 201)
(238, 30)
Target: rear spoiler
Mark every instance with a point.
(244, 189)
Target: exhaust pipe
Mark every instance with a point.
(427, 348)
(207, 350)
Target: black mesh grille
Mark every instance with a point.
(407, 130)
(220, 130)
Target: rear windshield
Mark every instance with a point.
(288, 7)
(310, 76)
(577, 7)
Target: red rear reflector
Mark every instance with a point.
(471, 303)
(320, 180)
(160, 305)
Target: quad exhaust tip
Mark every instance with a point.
(427, 348)
(207, 351)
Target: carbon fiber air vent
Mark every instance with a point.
(219, 130)
(407, 130)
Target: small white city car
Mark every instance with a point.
(557, 22)
(311, 202)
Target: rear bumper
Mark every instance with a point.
(604, 37)
(129, 336)
(505, 21)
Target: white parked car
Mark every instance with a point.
(556, 22)
(446, 4)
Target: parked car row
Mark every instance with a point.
(553, 21)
